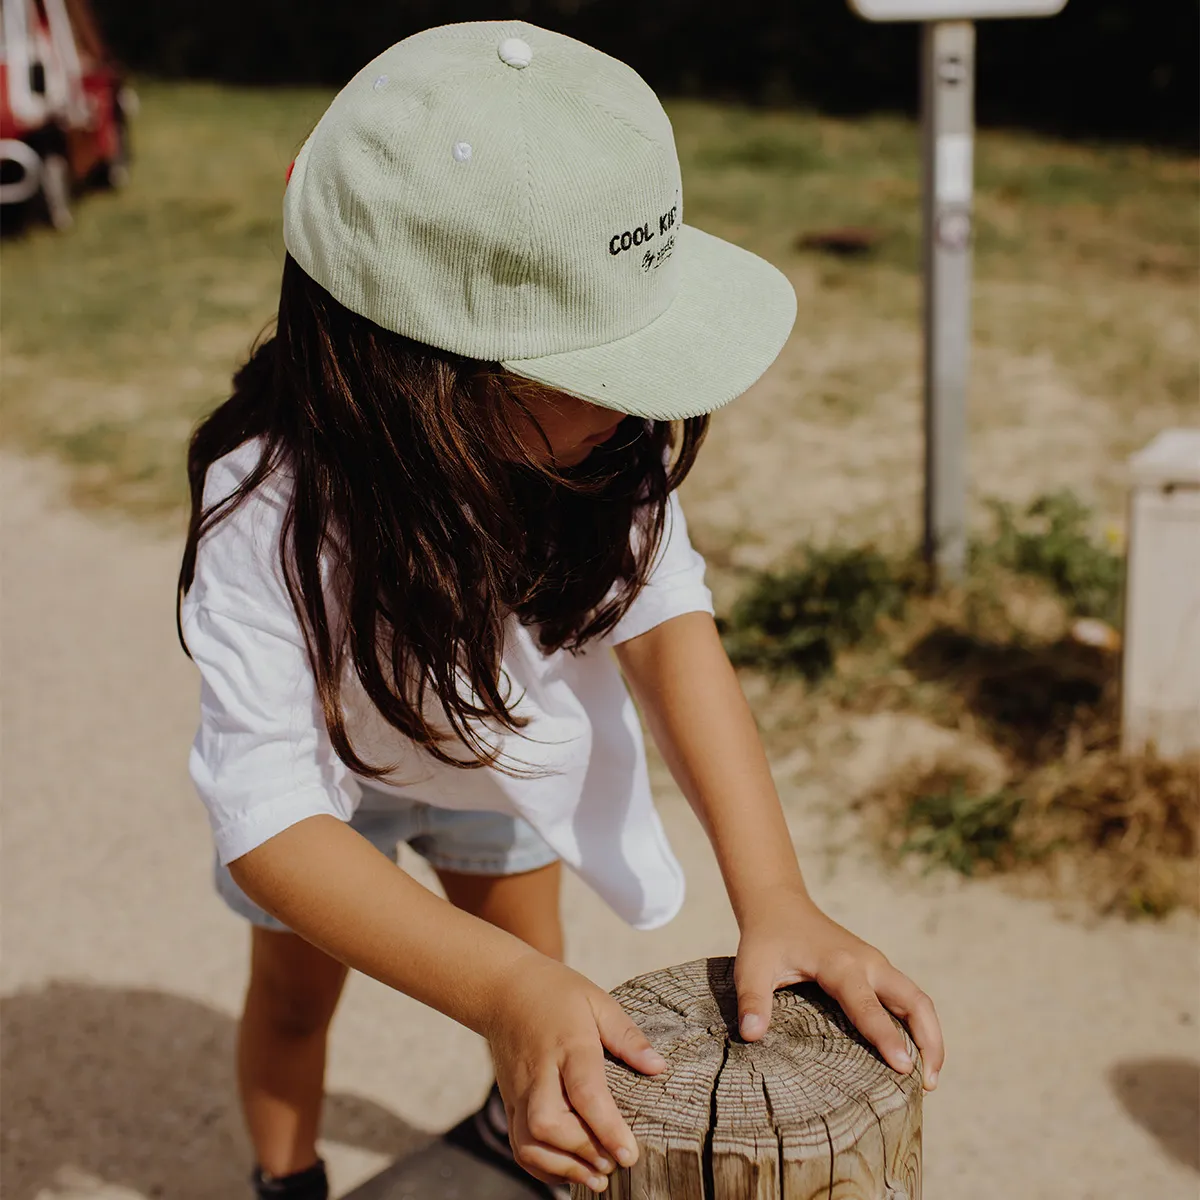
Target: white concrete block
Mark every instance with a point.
(1161, 673)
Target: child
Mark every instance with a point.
(439, 496)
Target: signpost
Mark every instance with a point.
(948, 144)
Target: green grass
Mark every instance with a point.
(1052, 540)
(120, 334)
(960, 830)
(1033, 781)
(797, 620)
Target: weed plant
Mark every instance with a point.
(798, 620)
(952, 825)
(859, 628)
(1052, 540)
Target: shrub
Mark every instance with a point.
(1052, 540)
(951, 826)
(797, 620)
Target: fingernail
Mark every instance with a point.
(655, 1059)
(625, 1156)
(597, 1183)
(752, 1025)
(605, 1164)
(933, 1079)
(905, 1060)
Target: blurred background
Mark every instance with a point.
(950, 763)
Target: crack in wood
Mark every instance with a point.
(710, 1191)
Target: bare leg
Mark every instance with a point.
(294, 989)
(524, 905)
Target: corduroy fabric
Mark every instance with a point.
(554, 244)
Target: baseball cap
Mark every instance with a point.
(507, 193)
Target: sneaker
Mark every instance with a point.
(484, 1134)
(309, 1184)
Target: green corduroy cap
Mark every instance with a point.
(512, 195)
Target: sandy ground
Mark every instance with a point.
(1074, 1063)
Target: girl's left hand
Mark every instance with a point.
(789, 940)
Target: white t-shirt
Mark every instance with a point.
(262, 758)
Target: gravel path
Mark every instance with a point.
(1074, 1063)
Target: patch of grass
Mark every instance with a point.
(123, 332)
(995, 660)
(1052, 540)
(798, 620)
(1136, 819)
(785, 154)
(949, 825)
(1123, 832)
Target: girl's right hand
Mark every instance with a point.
(548, 1035)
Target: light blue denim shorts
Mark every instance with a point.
(473, 843)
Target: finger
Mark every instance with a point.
(550, 1163)
(754, 977)
(623, 1038)
(551, 1121)
(553, 1166)
(915, 1008)
(588, 1094)
(860, 1003)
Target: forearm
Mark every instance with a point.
(698, 714)
(337, 891)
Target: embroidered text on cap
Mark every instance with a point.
(515, 53)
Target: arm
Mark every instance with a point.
(691, 699)
(547, 1026)
(333, 887)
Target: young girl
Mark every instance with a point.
(435, 531)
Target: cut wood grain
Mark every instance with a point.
(810, 1112)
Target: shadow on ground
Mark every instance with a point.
(135, 1088)
(1029, 695)
(1163, 1096)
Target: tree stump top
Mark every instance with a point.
(810, 1112)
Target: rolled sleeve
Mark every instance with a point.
(675, 585)
(262, 759)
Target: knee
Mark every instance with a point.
(291, 1010)
(294, 1003)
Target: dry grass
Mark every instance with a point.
(1122, 833)
(1028, 778)
(120, 335)
(1006, 757)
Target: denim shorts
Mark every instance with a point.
(472, 843)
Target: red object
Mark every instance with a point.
(291, 167)
(64, 106)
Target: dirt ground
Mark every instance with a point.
(1074, 1065)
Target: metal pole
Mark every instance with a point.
(947, 119)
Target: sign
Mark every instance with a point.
(948, 136)
(953, 10)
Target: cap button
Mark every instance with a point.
(515, 53)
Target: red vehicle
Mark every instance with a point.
(64, 107)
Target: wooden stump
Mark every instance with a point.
(810, 1112)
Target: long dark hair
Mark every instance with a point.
(408, 475)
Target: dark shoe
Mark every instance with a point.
(484, 1135)
(309, 1184)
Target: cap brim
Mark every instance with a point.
(726, 325)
